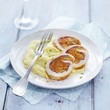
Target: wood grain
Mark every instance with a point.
(7, 29)
(46, 11)
(3, 88)
(49, 10)
(100, 13)
(102, 88)
(7, 36)
(52, 102)
(101, 16)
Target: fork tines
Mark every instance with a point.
(44, 41)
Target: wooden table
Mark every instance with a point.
(97, 95)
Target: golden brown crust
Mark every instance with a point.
(72, 46)
(58, 65)
(58, 78)
(66, 41)
(64, 77)
(76, 54)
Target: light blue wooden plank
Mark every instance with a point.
(3, 88)
(100, 15)
(49, 10)
(8, 32)
(52, 102)
(102, 88)
(85, 99)
(73, 8)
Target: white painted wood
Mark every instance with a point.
(85, 99)
(52, 102)
(8, 32)
(102, 88)
(49, 10)
(3, 88)
(100, 14)
(46, 11)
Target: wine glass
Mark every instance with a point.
(26, 22)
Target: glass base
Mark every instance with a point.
(25, 23)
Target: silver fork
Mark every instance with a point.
(20, 88)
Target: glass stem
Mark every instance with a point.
(25, 9)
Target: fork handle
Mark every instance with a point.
(20, 88)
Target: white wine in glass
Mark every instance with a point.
(26, 22)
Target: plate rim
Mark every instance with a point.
(67, 87)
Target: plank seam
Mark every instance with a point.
(92, 82)
(7, 89)
(89, 20)
(92, 95)
(5, 99)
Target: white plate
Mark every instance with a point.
(93, 66)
